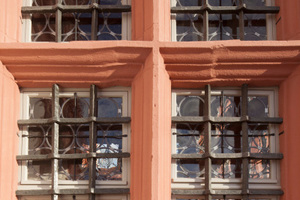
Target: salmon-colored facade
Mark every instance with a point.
(151, 65)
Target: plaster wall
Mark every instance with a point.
(289, 141)
(9, 113)
(10, 15)
(288, 26)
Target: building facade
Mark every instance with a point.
(152, 66)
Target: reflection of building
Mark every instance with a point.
(151, 66)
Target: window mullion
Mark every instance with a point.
(205, 22)
(95, 16)
(207, 143)
(55, 140)
(93, 139)
(58, 21)
(245, 145)
(241, 22)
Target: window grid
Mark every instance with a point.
(92, 155)
(240, 9)
(58, 9)
(245, 193)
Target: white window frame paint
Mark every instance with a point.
(26, 23)
(26, 94)
(235, 183)
(270, 22)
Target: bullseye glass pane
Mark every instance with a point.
(109, 107)
(40, 108)
(190, 105)
(258, 106)
(225, 106)
(74, 107)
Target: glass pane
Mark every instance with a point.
(259, 138)
(230, 168)
(74, 107)
(190, 139)
(226, 138)
(76, 26)
(110, 26)
(189, 2)
(258, 106)
(43, 27)
(190, 169)
(76, 2)
(109, 107)
(73, 169)
(40, 108)
(43, 2)
(259, 169)
(39, 140)
(189, 105)
(189, 27)
(223, 27)
(223, 2)
(227, 106)
(110, 2)
(39, 170)
(109, 140)
(255, 27)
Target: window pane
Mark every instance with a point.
(110, 26)
(40, 108)
(225, 106)
(189, 27)
(223, 27)
(190, 105)
(226, 138)
(43, 28)
(76, 2)
(76, 26)
(74, 107)
(255, 27)
(110, 107)
(43, 2)
(109, 140)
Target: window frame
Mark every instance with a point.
(270, 22)
(27, 24)
(26, 185)
(229, 183)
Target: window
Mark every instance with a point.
(69, 20)
(207, 20)
(236, 141)
(75, 144)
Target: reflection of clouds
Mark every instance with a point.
(107, 162)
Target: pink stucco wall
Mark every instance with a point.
(9, 113)
(151, 66)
